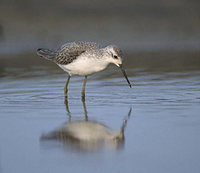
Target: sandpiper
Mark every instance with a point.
(83, 58)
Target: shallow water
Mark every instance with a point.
(161, 134)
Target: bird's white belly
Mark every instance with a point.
(84, 66)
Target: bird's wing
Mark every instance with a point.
(68, 53)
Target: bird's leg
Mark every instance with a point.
(83, 90)
(66, 85)
(85, 109)
(67, 108)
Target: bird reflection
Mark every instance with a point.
(87, 135)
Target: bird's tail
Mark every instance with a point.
(46, 53)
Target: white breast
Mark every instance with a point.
(85, 66)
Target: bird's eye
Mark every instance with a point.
(115, 56)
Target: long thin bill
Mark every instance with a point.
(124, 73)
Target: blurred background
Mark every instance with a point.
(167, 31)
(134, 25)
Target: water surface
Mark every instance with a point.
(161, 134)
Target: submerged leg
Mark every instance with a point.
(66, 85)
(83, 90)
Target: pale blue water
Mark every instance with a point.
(162, 133)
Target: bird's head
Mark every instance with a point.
(114, 55)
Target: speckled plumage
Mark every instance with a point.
(69, 52)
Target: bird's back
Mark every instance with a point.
(79, 46)
(68, 52)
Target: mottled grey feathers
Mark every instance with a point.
(46, 53)
(68, 52)
(65, 58)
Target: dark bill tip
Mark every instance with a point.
(124, 73)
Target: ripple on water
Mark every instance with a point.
(173, 89)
